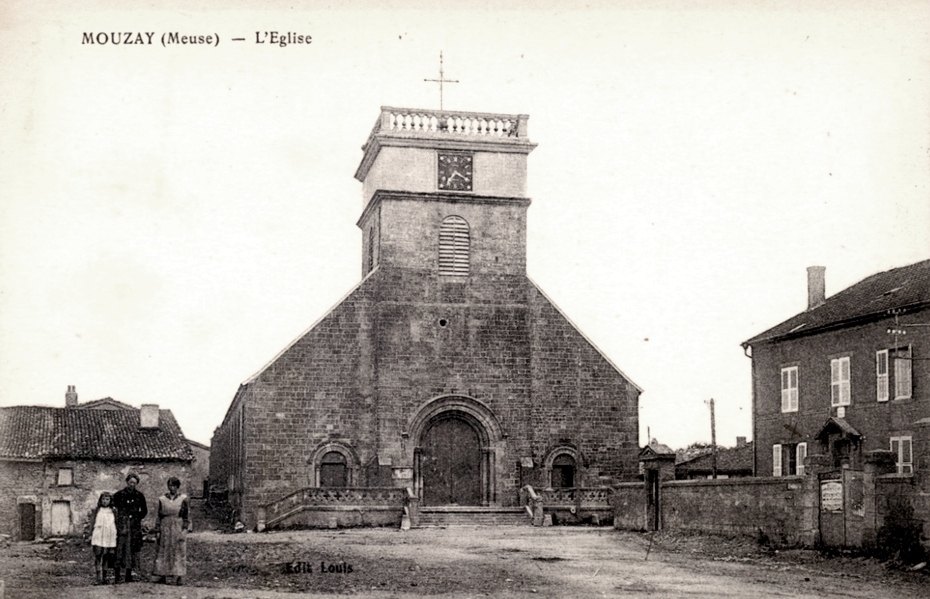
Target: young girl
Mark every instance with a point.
(103, 539)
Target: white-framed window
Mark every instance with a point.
(904, 460)
(65, 477)
(776, 459)
(881, 375)
(801, 453)
(454, 246)
(839, 381)
(789, 389)
(902, 372)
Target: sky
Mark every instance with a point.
(172, 217)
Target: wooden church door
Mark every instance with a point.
(450, 464)
(333, 471)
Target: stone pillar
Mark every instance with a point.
(413, 507)
(533, 504)
(876, 463)
(657, 469)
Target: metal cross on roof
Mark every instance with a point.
(441, 80)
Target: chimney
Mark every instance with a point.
(71, 397)
(741, 441)
(148, 416)
(816, 286)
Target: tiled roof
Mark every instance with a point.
(904, 287)
(657, 449)
(34, 432)
(734, 459)
(838, 424)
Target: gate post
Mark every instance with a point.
(877, 463)
(658, 463)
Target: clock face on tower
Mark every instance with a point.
(455, 171)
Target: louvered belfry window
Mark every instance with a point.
(453, 246)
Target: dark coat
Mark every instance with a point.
(130, 510)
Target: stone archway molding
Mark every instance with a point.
(353, 464)
(556, 452)
(490, 433)
(489, 427)
(563, 450)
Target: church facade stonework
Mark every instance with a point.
(446, 370)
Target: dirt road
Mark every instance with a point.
(464, 562)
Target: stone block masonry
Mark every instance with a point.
(445, 334)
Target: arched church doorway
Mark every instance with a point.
(563, 472)
(450, 462)
(333, 470)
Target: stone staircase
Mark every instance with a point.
(473, 516)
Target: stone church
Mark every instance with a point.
(446, 370)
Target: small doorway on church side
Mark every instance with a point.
(333, 470)
(450, 463)
(563, 472)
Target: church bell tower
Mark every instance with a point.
(445, 192)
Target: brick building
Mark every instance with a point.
(849, 375)
(446, 370)
(55, 462)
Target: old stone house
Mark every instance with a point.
(848, 376)
(55, 462)
(446, 370)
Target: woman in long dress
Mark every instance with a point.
(171, 527)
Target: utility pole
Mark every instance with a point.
(713, 438)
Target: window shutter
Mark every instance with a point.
(785, 392)
(881, 375)
(776, 460)
(789, 389)
(801, 455)
(835, 382)
(454, 246)
(839, 382)
(844, 381)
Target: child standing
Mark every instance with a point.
(103, 539)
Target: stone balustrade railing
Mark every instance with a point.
(310, 498)
(443, 122)
(575, 496)
(575, 500)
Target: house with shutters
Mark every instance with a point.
(56, 461)
(446, 371)
(848, 376)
